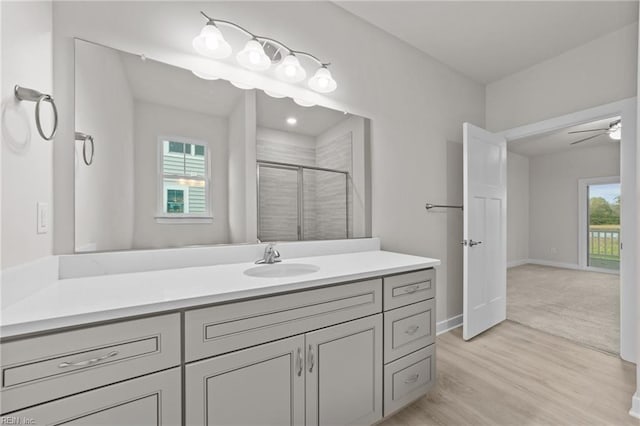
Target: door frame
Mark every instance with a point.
(629, 285)
(583, 221)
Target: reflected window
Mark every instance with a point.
(184, 172)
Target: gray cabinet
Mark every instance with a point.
(263, 385)
(336, 372)
(344, 373)
(150, 400)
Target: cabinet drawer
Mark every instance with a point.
(39, 369)
(224, 328)
(408, 329)
(408, 378)
(404, 289)
(152, 400)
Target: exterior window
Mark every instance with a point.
(184, 173)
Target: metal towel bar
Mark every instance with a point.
(24, 94)
(430, 206)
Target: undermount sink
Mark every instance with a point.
(281, 270)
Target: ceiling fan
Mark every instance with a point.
(614, 131)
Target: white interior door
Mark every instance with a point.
(485, 230)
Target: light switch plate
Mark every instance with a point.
(43, 218)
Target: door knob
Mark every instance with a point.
(474, 243)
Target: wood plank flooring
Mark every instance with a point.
(578, 305)
(516, 375)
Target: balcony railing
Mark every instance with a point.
(604, 245)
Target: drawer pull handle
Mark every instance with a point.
(299, 362)
(88, 361)
(311, 359)
(412, 330)
(412, 289)
(412, 379)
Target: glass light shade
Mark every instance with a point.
(205, 75)
(616, 134)
(322, 81)
(243, 86)
(290, 70)
(211, 43)
(253, 57)
(303, 103)
(273, 94)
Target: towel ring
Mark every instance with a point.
(24, 94)
(84, 138)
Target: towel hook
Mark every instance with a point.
(24, 94)
(84, 138)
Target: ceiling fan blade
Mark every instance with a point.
(592, 130)
(586, 139)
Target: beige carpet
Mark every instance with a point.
(580, 306)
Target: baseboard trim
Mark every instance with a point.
(515, 263)
(635, 406)
(554, 264)
(448, 324)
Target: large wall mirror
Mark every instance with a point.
(164, 159)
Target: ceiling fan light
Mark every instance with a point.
(211, 43)
(253, 57)
(322, 81)
(290, 70)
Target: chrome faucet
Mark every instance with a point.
(271, 255)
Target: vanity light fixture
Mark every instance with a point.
(273, 94)
(260, 53)
(292, 121)
(211, 43)
(290, 70)
(253, 57)
(303, 103)
(205, 75)
(322, 81)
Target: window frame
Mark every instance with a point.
(164, 217)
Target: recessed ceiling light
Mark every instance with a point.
(291, 121)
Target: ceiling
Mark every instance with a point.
(488, 40)
(560, 140)
(312, 121)
(163, 84)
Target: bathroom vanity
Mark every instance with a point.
(348, 344)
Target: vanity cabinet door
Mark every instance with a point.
(149, 400)
(344, 373)
(263, 385)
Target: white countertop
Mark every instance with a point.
(77, 301)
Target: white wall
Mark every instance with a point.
(416, 103)
(151, 122)
(241, 171)
(359, 203)
(27, 169)
(554, 198)
(104, 196)
(601, 71)
(517, 208)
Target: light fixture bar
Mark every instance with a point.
(263, 38)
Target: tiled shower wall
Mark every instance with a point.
(325, 214)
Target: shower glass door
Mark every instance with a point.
(302, 203)
(278, 203)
